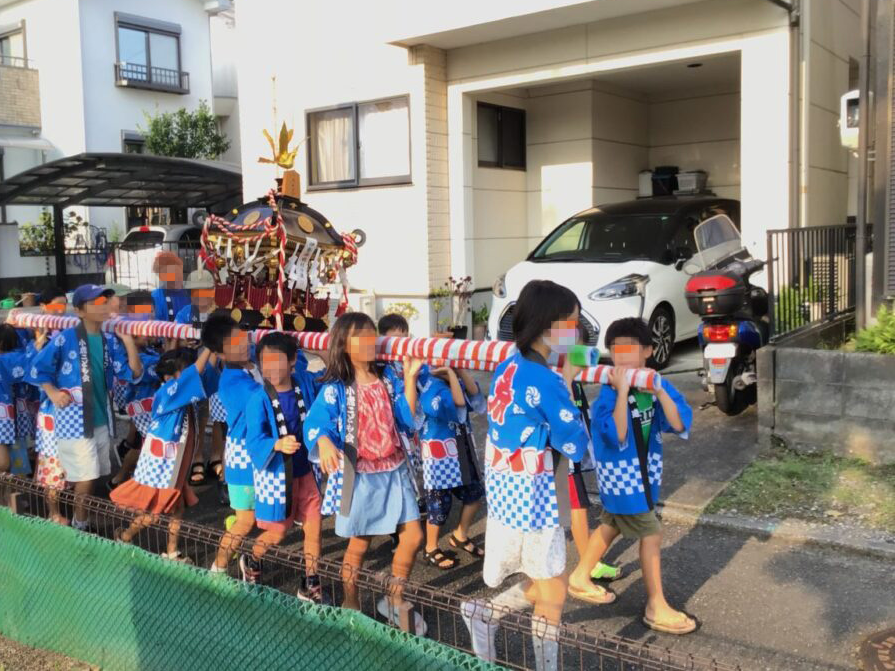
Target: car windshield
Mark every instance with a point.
(143, 238)
(606, 237)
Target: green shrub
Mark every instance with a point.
(879, 338)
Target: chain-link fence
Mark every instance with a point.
(580, 646)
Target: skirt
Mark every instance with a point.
(538, 554)
(381, 502)
(131, 494)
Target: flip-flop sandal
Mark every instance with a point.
(393, 616)
(685, 624)
(606, 572)
(198, 470)
(590, 596)
(437, 558)
(467, 546)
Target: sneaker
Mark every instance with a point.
(250, 569)
(474, 614)
(81, 525)
(311, 590)
(606, 572)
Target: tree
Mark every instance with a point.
(185, 134)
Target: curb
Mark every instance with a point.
(786, 531)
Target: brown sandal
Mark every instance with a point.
(597, 595)
(683, 624)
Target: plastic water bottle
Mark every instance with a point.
(583, 356)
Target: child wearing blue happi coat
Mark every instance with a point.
(13, 361)
(627, 427)
(159, 485)
(357, 430)
(286, 489)
(449, 462)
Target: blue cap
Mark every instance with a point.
(88, 292)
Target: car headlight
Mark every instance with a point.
(499, 288)
(630, 285)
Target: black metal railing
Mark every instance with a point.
(580, 646)
(130, 263)
(161, 79)
(811, 275)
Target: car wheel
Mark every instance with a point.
(661, 326)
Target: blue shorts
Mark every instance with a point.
(242, 497)
(438, 501)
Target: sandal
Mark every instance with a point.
(392, 614)
(437, 558)
(467, 546)
(213, 469)
(198, 475)
(598, 596)
(680, 625)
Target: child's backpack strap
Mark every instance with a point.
(469, 471)
(642, 449)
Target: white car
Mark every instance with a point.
(621, 260)
(131, 262)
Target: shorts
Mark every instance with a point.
(640, 525)
(242, 497)
(305, 505)
(438, 501)
(49, 472)
(85, 459)
(538, 554)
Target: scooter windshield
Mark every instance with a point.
(716, 238)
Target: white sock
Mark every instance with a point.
(481, 618)
(217, 569)
(544, 640)
(80, 525)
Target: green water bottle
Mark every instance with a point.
(583, 356)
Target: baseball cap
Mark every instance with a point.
(199, 279)
(88, 292)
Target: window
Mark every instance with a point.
(501, 136)
(360, 144)
(12, 48)
(603, 238)
(149, 54)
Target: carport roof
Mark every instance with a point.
(121, 180)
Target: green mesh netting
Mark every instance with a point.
(122, 608)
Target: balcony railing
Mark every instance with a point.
(14, 62)
(135, 75)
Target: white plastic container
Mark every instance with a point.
(645, 184)
(692, 181)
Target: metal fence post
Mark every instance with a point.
(772, 290)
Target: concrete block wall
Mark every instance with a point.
(19, 97)
(829, 400)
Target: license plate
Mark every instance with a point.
(720, 350)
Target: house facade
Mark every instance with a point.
(79, 75)
(458, 139)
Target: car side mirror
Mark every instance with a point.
(682, 255)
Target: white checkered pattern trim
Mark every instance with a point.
(153, 471)
(70, 422)
(45, 443)
(235, 454)
(522, 501)
(442, 473)
(216, 409)
(119, 395)
(142, 422)
(332, 498)
(270, 488)
(25, 421)
(623, 477)
(7, 431)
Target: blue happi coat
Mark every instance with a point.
(169, 302)
(235, 387)
(530, 411)
(138, 394)
(268, 465)
(328, 417)
(12, 371)
(440, 430)
(162, 458)
(59, 363)
(618, 465)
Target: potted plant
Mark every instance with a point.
(460, 293)
(440, 299)
(480, 322)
